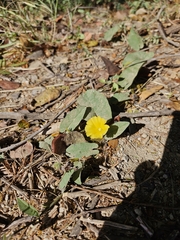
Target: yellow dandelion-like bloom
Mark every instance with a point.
(96, 128)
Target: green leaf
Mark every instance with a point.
(115, 87)
(65, 179)
(119, 97)
(132, 63)
(73, 118)
(136, 58)
(80, 150)
(89, 114)
(116, 130)
(2, 157)
(135, 41)
(111, 32)
(97, 101)
(10, 44)
(46, 144)
(26, 208)
(76, 177)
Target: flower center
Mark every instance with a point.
(99, 129)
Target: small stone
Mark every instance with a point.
(144, 135)
(171, 216)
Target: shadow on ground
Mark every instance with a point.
(154, 207)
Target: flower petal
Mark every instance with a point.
(96, 128)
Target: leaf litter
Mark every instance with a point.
(136, 174)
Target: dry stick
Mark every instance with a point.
(161, 29)
(165, 112)
(109, 223)
(28, 116)
(161, 57)
(124, 200)
(37, 132)
(4, 180)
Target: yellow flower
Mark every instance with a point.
(96, 128)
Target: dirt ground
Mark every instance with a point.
(133, 190)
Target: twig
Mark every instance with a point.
(109, 223)
(161, 57)
(27, 115)
(17, 222)
(4, 180)
(162, 31)
(121, 200)
(165, 112)
(37, 132)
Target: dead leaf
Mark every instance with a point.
(175, 105)
(58, 145)
(111, 67)
(87, 36)
(74, 137)
(147, 93)
(120, 15)
(113, 143)
(25, 42)
(176, 80)
(53, 129)
(23, 124)
(23, 151)
(46, 96)
(92, 43)
(58, 19)
(8, 85)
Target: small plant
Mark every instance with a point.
(92, 118)
(132, 62)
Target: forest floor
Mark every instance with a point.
(131, 189)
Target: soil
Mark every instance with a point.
(131, 191)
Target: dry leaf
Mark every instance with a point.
(92, 43)
(87, 36)
(23, 124)
(59, 18)
(120, 15)
(74, 137)
(147, 93)
(23, 151)
(24, 41)
(8, 85)
(175, 105)
(58, 145)
(111, 67)
(46, 96)
(113, 143)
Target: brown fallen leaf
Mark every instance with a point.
(74, 137)
(58, 145)
(174, 104)
(23, 151)
(113, 143)
(111, 67)
(87, 36)
(46, 96)
(147, 93)
(25, 41)
(8, 85)
(120, 15)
